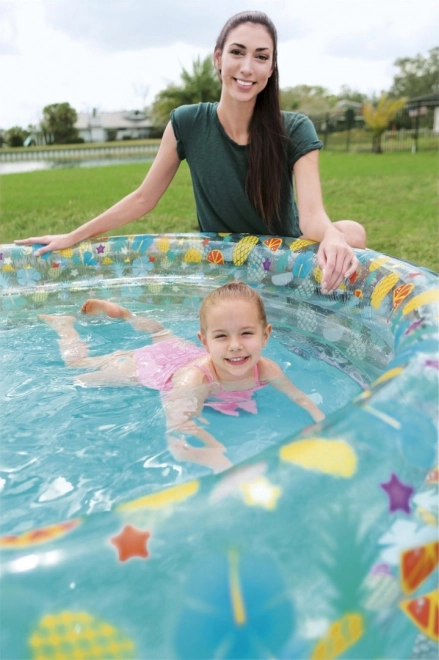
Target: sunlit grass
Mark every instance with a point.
(393, 195)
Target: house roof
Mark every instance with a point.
(120, 119)
(426, 99)
(346, 103)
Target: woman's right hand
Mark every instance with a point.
(50, 243)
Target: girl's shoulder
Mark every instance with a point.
(195, 373)
(268, 369)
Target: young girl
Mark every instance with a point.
(242, 153)
(223, 374)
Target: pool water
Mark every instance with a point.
(68, 451)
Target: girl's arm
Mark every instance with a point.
(335, 256)
(185, 402)
(133, 206)
(273, 374)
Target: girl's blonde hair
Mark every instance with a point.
(232, 291)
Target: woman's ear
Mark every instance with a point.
(217, 61)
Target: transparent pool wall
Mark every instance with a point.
(325, 546)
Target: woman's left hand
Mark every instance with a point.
(336, 259)
(335, 256)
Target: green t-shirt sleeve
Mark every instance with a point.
(182, 119)
(302, 134)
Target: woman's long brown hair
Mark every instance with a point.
(266, 150)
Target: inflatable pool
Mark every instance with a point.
(323, 544)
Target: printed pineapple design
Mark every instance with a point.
(255, 267)
(163, 244)
(243, 248)
(424, 649)
(155, 287)
(305, 289)
(307, 318)
(39, 296)
(166, 263)
(193, 256)
(358, 347)
(54, 273)
(383, 287)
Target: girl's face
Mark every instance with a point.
(234, 337)
(246, 62)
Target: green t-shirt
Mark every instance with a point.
(218, 167)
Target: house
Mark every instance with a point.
(98, 126)
(417, 107)
(338, 112)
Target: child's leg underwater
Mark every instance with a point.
(96, 306)
(74, 351)
(114, 368)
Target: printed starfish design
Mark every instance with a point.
(131, 542)
(399, 494)
(261, 492)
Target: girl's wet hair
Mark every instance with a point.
(267, 176)
(232, 291)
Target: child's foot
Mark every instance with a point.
(58, 322)
(95, 307)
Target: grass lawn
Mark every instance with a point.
(393, 195)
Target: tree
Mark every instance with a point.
(15, 136)
(378, 117)
(58, 123)
(202, 85)
(346, 93)
(417, 76)
(309, 99)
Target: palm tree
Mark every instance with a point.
(378, 117)
(199, 86)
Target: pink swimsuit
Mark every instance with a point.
(229, 402)
(157, 363)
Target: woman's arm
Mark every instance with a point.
(133, 206)
(335, 256)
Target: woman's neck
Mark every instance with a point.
(235, 119)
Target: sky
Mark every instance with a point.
(118, 54)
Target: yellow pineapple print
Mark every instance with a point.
(382, 289)
(243, 248)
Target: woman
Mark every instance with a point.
(242, 153)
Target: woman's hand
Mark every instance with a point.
(50, 243)
(336, 259)
(133, 206)
(335, 256)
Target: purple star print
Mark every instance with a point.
(399, 494)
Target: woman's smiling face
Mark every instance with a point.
(246, 62)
